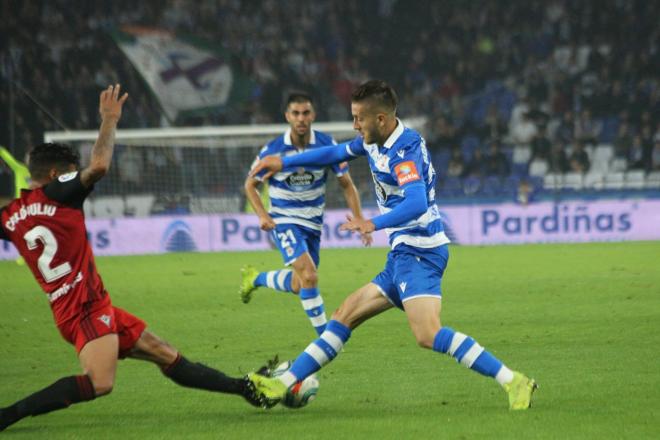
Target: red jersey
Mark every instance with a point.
(47, 226)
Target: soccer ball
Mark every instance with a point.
(301, 393)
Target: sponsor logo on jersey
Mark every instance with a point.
(406, 172)
(301, 178)
(65, 288)
(105, 319)
(67, 177)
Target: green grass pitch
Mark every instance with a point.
(584, 320)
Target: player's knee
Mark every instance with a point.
(339, 315)
(161, 351)
(345, 316)
(102, 387)
(425, 339)
(310, 278)
(295, 284)
(425, 342)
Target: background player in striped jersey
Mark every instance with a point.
(297, 201)
(405, 181)
(46, 224)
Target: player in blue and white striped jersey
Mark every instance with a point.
(297, 202)
(404, 180)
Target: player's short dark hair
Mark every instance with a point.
(378, 92)
(46, 156)
(298, 97)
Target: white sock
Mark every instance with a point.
(288, 379)
(504, 376)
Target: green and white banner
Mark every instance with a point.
(186, 75)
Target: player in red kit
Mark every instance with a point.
(46, 224)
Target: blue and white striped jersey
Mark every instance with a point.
(299, 197)
(402, 160)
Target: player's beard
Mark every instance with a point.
(368, 137)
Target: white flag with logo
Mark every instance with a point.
(186, 75)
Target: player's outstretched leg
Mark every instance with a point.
(99, 361)
(424, 318)
(469, 353)
(316, 355)
(361, 305)
(251, 279)
(191, 374)
(59, 395)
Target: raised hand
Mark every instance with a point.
(110, 104)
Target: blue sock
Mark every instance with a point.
(318, 353)
(312, 302)
(275, 279)
(466, 351)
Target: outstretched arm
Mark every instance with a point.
(317, 157)
(110, 105)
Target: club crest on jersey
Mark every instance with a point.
(383, 163)
(105, 319)
(406, 172)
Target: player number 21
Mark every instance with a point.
(45, 236)
(286, 238)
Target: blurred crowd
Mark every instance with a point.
(558, 77)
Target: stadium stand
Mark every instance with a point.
(479, 71)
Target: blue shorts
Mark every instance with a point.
(407, 275)
(294, 240)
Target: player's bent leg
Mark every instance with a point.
(424, 319)
(310, 296)
(296, 283)
(282, 280)
(190, 374)
(151, 348)
(59, 395)
(423, 316)
(361, 305)
(98, 359)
